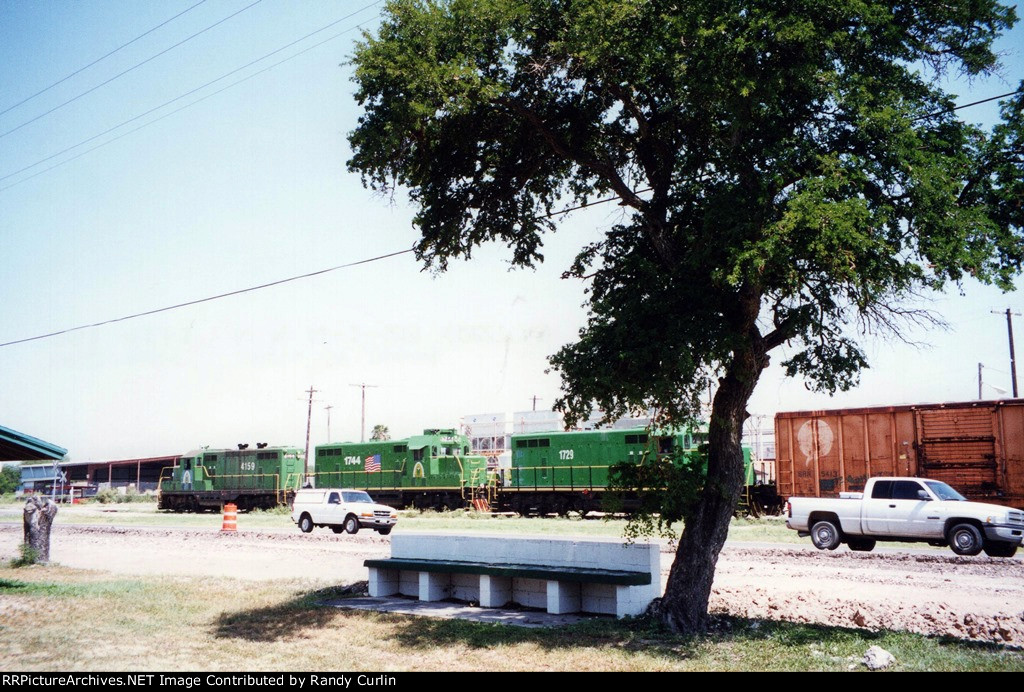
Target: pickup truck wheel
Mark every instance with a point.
(351, 524)
(1000, 549)
(965, 539)
(862, 544)
(825, 535)
(305, 523)
(384, 531)
(336, 529)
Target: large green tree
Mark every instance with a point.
(789, 170)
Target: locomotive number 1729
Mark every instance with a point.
(565, 454)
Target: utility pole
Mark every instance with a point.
(362, 429)
(309, 420)
(979, 381)
(535, 399)
(328, 409)
(1013, 359)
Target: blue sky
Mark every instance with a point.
(249, 186)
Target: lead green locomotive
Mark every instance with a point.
(432, 470)
(259, 478)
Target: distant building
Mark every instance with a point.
(86, 477)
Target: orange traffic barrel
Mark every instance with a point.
(230, 517)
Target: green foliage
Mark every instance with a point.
(111, 495)
(27, 555)
(380, 433)
(10, 478)
(795, 179)
(667, 490)
(280, 510)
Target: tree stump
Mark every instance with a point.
(38, 515)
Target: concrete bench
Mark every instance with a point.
(557, 575)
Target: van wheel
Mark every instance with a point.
(305, 523)
(965, 539)
(351, 524)
(825, 535)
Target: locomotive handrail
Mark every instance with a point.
(522, 477)
(395, 477)
(282, 494)
(214, 475)
(160, 478)
(462, 475)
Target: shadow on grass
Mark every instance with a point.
(285, 620)
(305, 612)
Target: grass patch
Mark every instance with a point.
(202, 624)
(27, 555)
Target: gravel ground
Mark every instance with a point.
(932, 593)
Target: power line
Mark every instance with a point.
(185, 95)
(967, 105)
(209, 298)
(101, 59)
(130, 69)
(261, 286)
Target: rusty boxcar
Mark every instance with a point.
(975, 446)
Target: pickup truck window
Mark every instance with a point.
(334, 499)
(882, 490)
(905, 490)
(944, 492)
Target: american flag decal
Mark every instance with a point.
(372, 464)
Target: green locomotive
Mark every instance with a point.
(569, 471)
(558, 472)
(259, 478)
(432, 470)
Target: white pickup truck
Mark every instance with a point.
(907, 509)
(341, 510)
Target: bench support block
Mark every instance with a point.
(383, 582)
(433, 586)
(494, 591)
(563, 597)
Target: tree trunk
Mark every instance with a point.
(684, 608)
(38, 515)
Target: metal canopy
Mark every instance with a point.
(16, 446)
